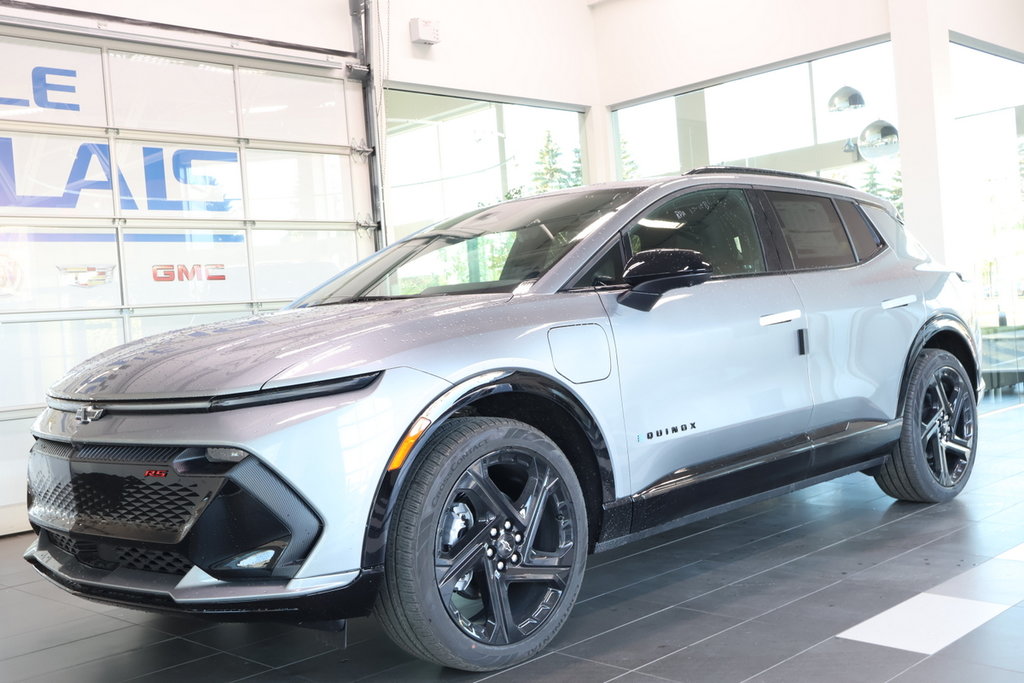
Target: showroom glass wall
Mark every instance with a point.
(834, 117)
(447, 155)
(144, 192)
(988, 152)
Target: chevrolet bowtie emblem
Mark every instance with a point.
(87, 414)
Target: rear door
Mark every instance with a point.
(862, 306)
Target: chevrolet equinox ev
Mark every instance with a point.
(442, 433)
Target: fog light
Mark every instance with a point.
(259, 559)
(225, 454)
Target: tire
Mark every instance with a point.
(935, 454)
(487, 547)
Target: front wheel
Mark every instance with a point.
(935, 454)
(487, 548)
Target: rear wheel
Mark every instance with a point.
(935, 454)
(487, 548)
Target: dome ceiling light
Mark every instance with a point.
(878, 139)
(845, 98)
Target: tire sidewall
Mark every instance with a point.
(424, 515)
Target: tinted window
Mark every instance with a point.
(866, 241)
(606, 271)
(493, 249)
(813, 231)
(718, 223)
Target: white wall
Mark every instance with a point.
(533, 49)
(310, 23)
(651, 46)
(998, 22)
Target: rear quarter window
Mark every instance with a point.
(813, 231)
(866, 240)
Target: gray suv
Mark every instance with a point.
(442, 433)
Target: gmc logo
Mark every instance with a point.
(183, 273)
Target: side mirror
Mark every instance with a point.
(653, 272)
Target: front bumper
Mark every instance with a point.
(349, 594)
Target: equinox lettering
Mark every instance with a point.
(674, 429)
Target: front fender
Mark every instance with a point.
(460, 397)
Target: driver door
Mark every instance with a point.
(715, 369)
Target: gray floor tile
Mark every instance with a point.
(638, 643)
(942, 669)
(735, 655)
(841, 661)
(82, 651)
(128, 665)
(997, 643)
(217, 667)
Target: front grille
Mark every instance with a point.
(108, 555)
(149, 560)
(164, 510)
(113, 490)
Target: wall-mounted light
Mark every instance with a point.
(424, 31)
(878, 139)
(845, 98)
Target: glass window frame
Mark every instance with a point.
(785, 256)
(765, 234)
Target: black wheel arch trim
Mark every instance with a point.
(459, 397)
(938, 324)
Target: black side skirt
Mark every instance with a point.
(695, 493)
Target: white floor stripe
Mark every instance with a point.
(928, 622)
(925, 623)
(1013, 554)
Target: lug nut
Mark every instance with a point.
(514, 558)
(489, 552)
(494, 532)
(501, 565)
(519, 538)
(508, 525)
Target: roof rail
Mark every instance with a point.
(762, 171)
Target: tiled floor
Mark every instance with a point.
(759, 594)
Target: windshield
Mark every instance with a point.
(493, 249)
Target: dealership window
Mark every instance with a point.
(145, 189)
(448, 155)
(988, 204)
(835, 117)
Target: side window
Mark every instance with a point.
(866, 242)
(718, 223)
(813, 231)
(607, 271)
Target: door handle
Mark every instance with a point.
(779, 318)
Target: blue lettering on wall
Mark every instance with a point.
(153, 167)
(77, 181)
(42, 87)
(182, 164)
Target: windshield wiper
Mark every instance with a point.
(362, 299)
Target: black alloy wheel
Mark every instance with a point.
(487, 550)
(937, 447)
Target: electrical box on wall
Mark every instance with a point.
(424, 31)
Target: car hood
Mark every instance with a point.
(279, 349)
